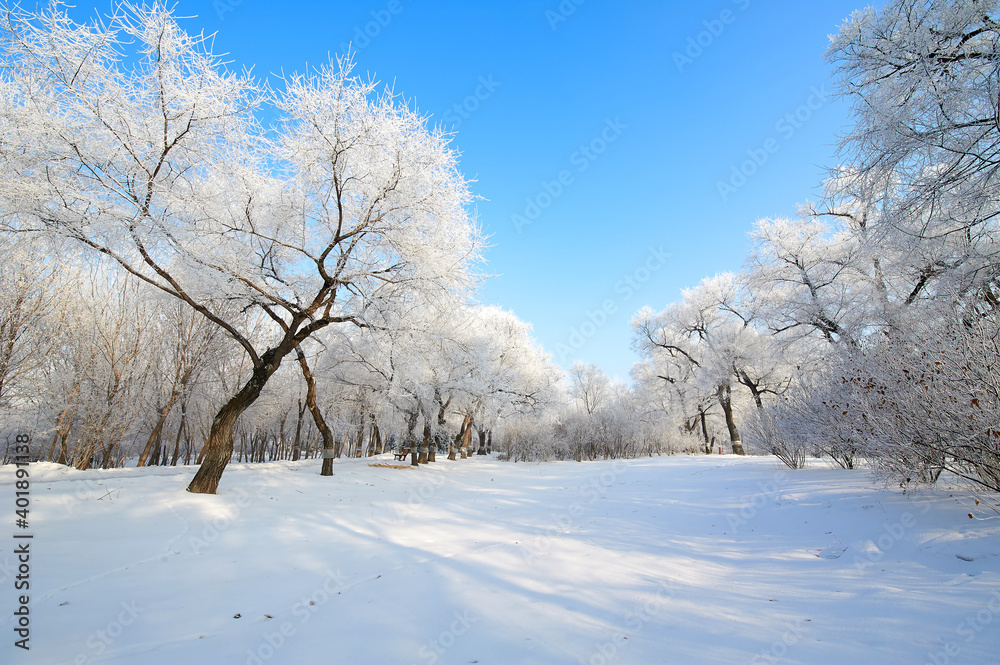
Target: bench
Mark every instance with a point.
(401, 455)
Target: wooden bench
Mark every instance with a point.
(401, 455)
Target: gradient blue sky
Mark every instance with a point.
(528, 85)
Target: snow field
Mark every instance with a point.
(667, 560)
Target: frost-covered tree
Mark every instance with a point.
(923, 78)
(708, 340)
(589, 386)
(131, 138)
(897, 270)
(32, 308)
(181, 340)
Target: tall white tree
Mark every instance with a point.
(133, 139)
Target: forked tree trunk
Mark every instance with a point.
(459, 438)
(482, 441)
(725, 394)
(704, 432)
(155, 444)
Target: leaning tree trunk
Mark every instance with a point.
(467, 439)
(725, 394)
(218, 449)
(459, 438)
(317, 414)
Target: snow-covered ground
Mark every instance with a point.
(669, 560)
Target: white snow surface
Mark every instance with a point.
(668, 560)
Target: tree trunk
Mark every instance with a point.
(64, 448)
(410, 440)
(375, 437)
(187, 448)
(180, 431)
(52, 448)
(704, 432)
(63, 427)
(754, 388)
(155, 443)
(156, 434)
(361, 432)
(467, 439)
(297, 444)
(457, 444)
(86, 457)
(328, 441)
(425, 442)
(482, 441)
(218, 448)
(725, 394)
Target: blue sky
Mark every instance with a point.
(598, 132)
